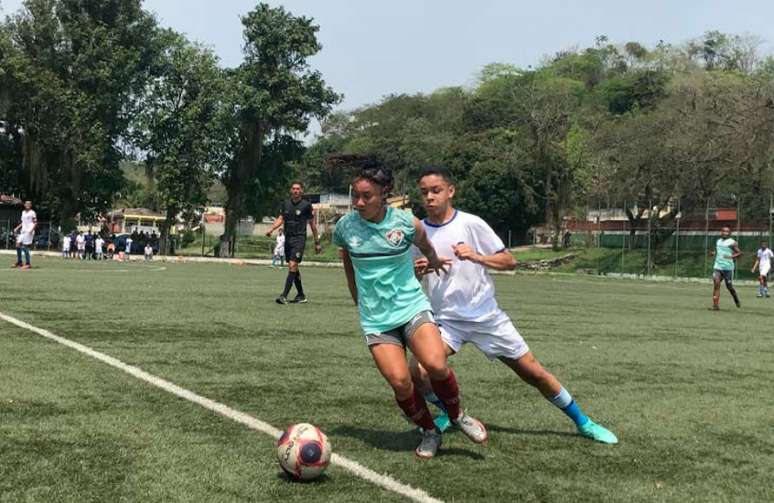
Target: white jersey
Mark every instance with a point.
(80, 242)
(98, 244)
(764, 257)
(466, 292)
(66, 243)
(764, 260)
(279, 249)
(28, 219)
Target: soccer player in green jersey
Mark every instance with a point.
(375, 246)
(726, 252)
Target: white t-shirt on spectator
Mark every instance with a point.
(28, 219)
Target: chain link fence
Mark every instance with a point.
(670, 240)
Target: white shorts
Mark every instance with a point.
(764, 269)
(24, 238)
(495, 337)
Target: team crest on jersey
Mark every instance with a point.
(298, 212)
(355, 241)
(395, 237)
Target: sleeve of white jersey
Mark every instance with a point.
(486, 241)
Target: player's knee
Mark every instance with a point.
(436, 369)
(417, 371)
(401, 386)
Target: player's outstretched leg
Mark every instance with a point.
(428, 348)
(300, 297)
(391, 361)
(26, 251)
(289, 280)
(732, 291)
(532, 372)
(18, 256)
(716, 291)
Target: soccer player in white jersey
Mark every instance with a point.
(29, 221)
(66, 242)
(464, 303)
(763, 264)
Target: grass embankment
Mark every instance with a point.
(608, 260)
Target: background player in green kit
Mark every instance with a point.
(375, 245)
(296, 213)
(726, 252)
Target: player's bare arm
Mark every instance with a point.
(434, 262)
(277, 224)
(500, 261)
(313, 226)
(349, 272)
(737, 252)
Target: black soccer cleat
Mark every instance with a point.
(282, 300)
(300, 299)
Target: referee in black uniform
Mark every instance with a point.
(296, 213)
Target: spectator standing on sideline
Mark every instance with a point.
(66, 242)
(29, 221)
(73, 244)
(148, 252)
(99, 245)
(80, 241)
(129, 241)
(279, 250)
(89, 238)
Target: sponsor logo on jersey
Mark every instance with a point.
(355, 241)
(395, 237)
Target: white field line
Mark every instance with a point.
(384, 481)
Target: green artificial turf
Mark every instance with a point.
(685, 390)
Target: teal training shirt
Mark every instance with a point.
(389, 294)
(723, 249)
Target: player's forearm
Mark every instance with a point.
(502, 261)
(277, 224)
(313, 226)
(349, 272)
(425, 246)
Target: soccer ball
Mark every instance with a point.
(303, 451)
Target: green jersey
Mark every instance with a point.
(389, 294)
(724, 249)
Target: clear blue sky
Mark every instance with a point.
(373, 48)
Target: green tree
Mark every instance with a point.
(274, 94)
(71, 69)
(180, 128)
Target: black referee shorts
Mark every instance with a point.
(294, 249)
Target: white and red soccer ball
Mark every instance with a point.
(303, 451)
